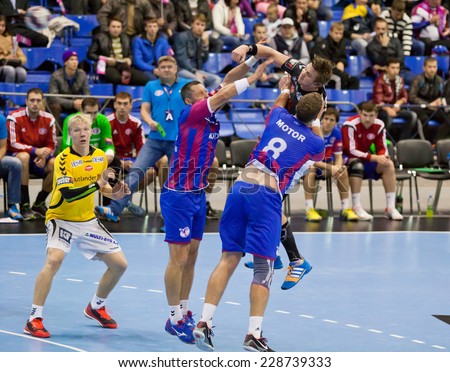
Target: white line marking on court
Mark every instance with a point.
(330, 321)
(17, 273)
(74, 280)
(307, 316)
(438, 347)
(282, 312)
(352, 325)
(418, 341)
(232, 303)
(155, 290)
(129, 287)
(42, 340)
(397, 336)
(374, 330)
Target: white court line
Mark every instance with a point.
(129, 287)
(330, 321)
(282, 312)
(232, 303)
(352, 325)
(307, 316)
(74, 280)
(17, 273)
(374, 330)
(439, 347)
(42, 340)
(154, 290)
(418, 341)
(397, 336)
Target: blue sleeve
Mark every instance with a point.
(3, 130)
(147, 94)
(138, 56)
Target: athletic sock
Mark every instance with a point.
(255, 326)
(36, 312)
(390, 200)
(356, 200)
(289, 244)
(208, 313)
(24, 195)
(175, 314)
(184, 307)
(345, 203)
(309, 203)
(41, 197)
(97, 302)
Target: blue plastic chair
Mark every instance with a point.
(226, 125)
(217, 62)
(37, 56)
(414, 63)
(248, 123)
(357, 65)
(443, 65)
(324, 28)
(87, 23)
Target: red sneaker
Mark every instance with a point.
(36, 328)
(101, 316)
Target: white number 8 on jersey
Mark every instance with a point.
(277, 145)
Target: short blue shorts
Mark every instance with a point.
(370, 171)
(251, 220)
(184, 215)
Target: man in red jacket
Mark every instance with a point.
(32, 140)
(359, 132)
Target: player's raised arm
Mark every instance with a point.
(285, 90)
(259, 51)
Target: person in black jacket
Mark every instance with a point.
(114, 48)
(333, 48)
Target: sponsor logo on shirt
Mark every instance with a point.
(98, 159)
(42, 131)
(370, 136)
(86, 178)
(65, 235)
(159, 93)
(213, 136)
(76, 163)
(290, 131)
(101, 238)
(64, 180)
(88, 168)
(95, 130)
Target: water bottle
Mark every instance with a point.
(430, 211)
(399, 203)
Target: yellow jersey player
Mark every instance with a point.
(80, 170)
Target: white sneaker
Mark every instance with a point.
(393, 214)
(362, 214)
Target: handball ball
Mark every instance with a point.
(37, 18)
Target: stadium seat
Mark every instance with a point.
(249, 23)
(324, 28)
(19, 100)
(226, 124)
(87, 23)
(217, 62)
(414, 63)
(443, 65)
(357, 65)
(135, 91)
(248, 123)
(37, 56)
(348, 99)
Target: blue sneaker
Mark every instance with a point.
(277, 265)
(107, 213)
(14, 213)
(189, 319)
(295, 273)
(181, 330)
(136, 210)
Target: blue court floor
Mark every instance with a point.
(366, 292)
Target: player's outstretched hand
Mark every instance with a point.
(285, 82)
(261, 69)
(107, 174)
(238, 55)
(119, 190)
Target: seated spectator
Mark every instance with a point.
(272, 20)
(260, 33)
(400, 27)
(358, 22)
(262, 6)
(149, 47)
(130, 13)
(227, 20)
(333, 47)
(11, 172)
(191, 52)
(114, 48)
(32, 140)
(289, 43)
(427, 89)
(430, 24)
(14, 11)
(186, 9)
(331, 166)
(167, 19)
(324, 13)
(382, 47)
(246, 9)
(12, 58)
(389, 89)
(358, 133)
(80, 6)
(305, 21)
(67, 80)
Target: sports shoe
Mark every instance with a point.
(348, 215)
(26, 212)
(181, 330)
(36, 328)
(362, 214)
(312, 215)
(136, 210)
(39, 209)
(202, 336)
(189, 319)
(295, 272)
(14, 213)
(107, 213)
(211, 214)
(101, 316)
(251, 343)
(278, 264)
(393, 214)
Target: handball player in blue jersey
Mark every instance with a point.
(183, 202)
(305, 79)
(251, 221)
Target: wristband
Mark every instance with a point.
(252, 49)
(288, 91)
(251, 61)
(315, 123)
(241, 85)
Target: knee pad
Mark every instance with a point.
(356, 169)
(262, 272)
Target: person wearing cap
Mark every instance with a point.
(67, 80)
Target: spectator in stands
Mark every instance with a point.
(430, 24)
(227, 20)
(11, 172)
(427, 89)
(186, 9)
(446, 101)
(331, 166)
(130, 13)
(149, 48)
(358, 22)
(67, 80)
(260, 33)
(14, 11)
(32, 140)
(358, 134)
(167, 19)
(383, 47)
(12, 58)
(81, 6)
(333, 47)
(400, 27)
(375, 7)
(262, 6)
(114, 47)
(272, 20)
(389, 89)
(191, 52)
(305, 21)
(324, 13)
(288, 42)
(246, 9)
